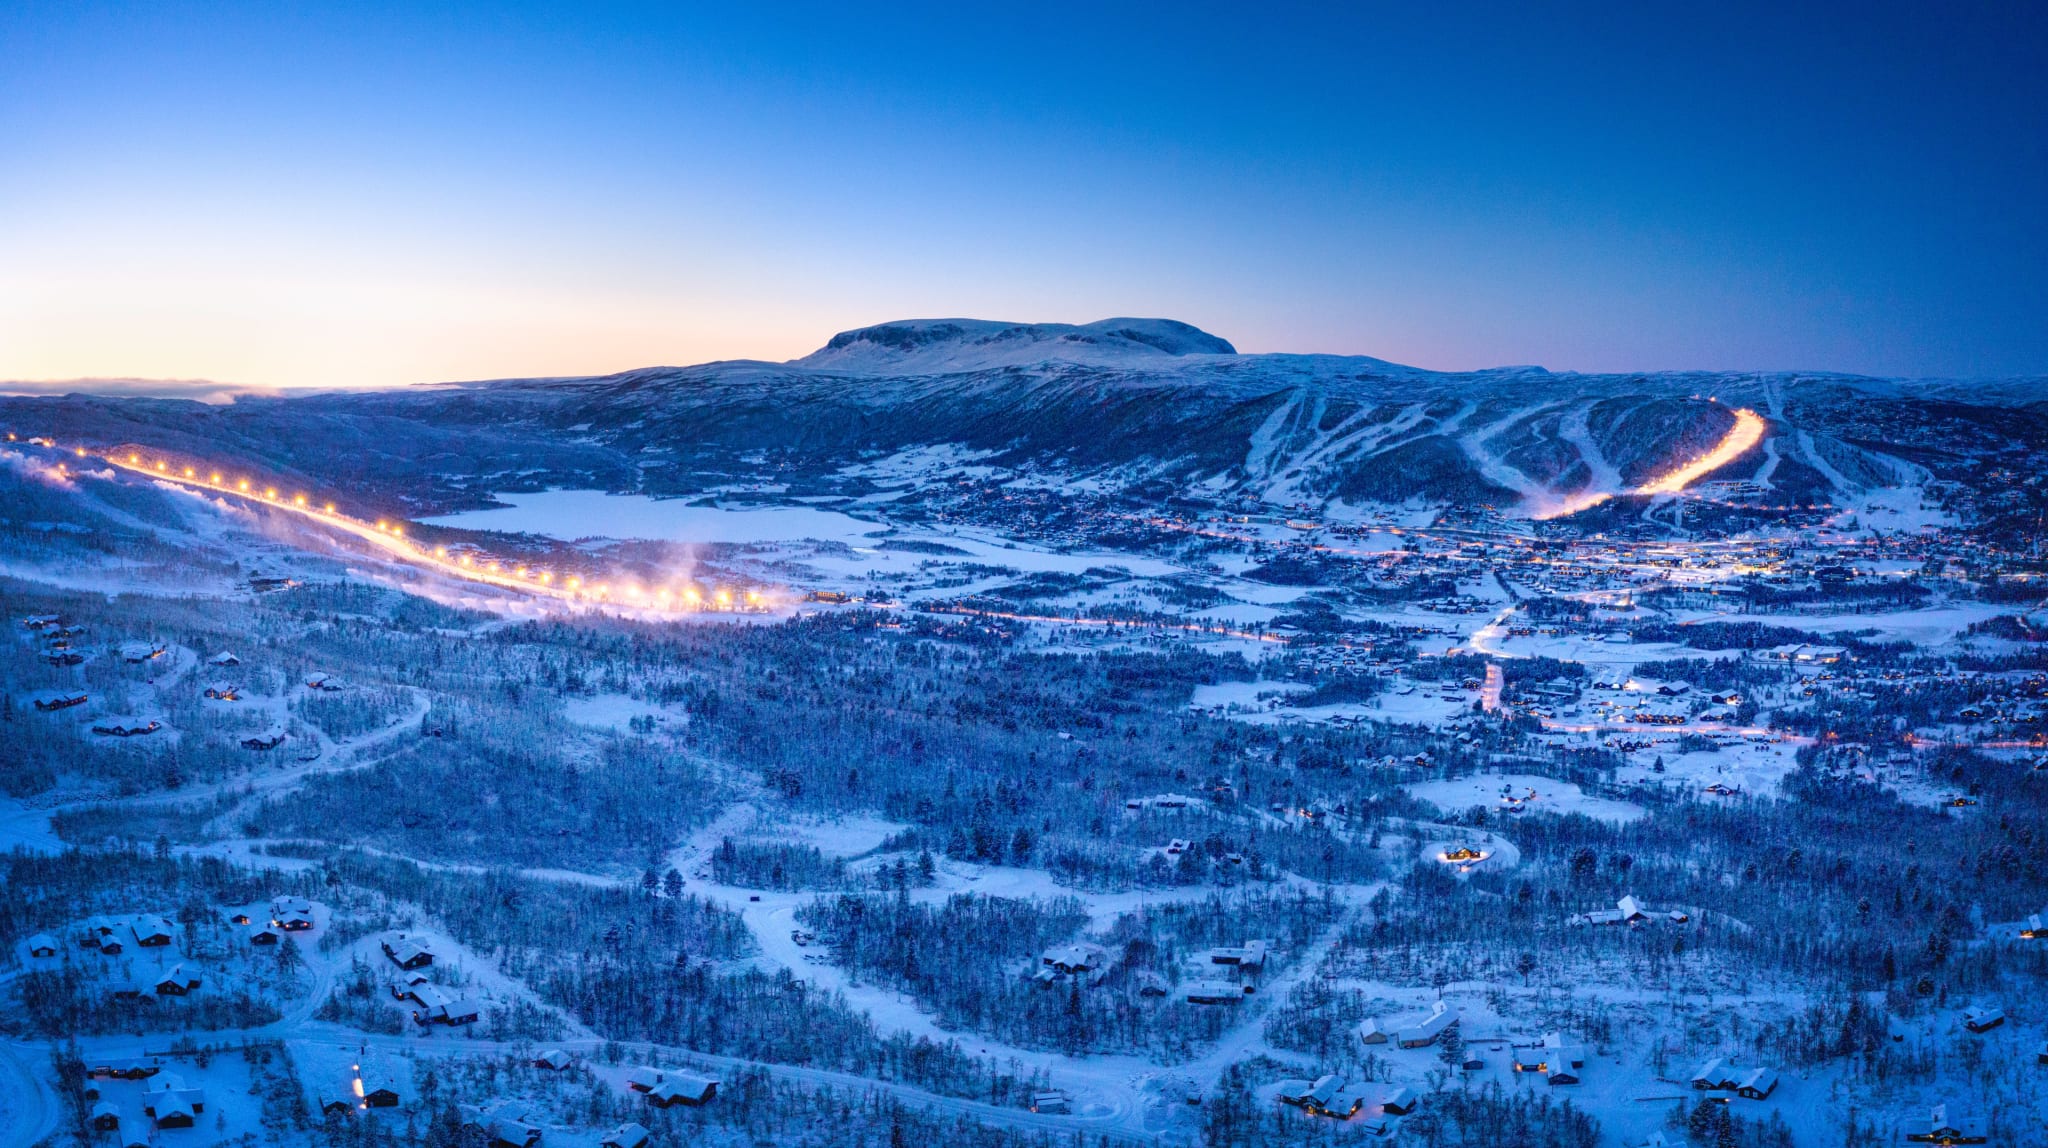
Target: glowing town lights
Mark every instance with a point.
(298, 500)
(691, 596)
(214, 478)
(188, 472)
(399, 531)
(159, 464)
(575, 583)
(546, 577)
(81, 452)
(134, 458)
(242, 484)
(440, 552)
(270, 492)
(330, 508)
(724, 597)
(465, 560)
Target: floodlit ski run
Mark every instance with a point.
(390, 537)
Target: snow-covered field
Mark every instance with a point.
(1534, 794)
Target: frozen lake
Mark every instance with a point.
(573, 514)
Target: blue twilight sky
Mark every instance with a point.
(350, 194)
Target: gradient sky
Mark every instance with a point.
(322, 195)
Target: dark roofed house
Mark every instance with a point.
(172, 1105)
(683, 1088)
(1213, 992)
(408, 953)
(1983, 1019)
(176, 982)
(506, 1132)
(509, 1125)
(377, 1084)
(1758, 1085)
(123, 1068)
(628, 1135)
(1717, 1075)
(1941, 1127)
(1441, 1017)
(149, 932)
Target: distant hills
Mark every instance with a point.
(1154, 407)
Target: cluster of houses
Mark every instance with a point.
(1557, 1061)
(120, 729)
(1721, 1079)
(436, 1005)
(513, 1124)
(166, 1101)
(1332, 1096)
(111, 935)
(288, 914)
(1229, 973)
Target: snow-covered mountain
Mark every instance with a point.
(1145, 405)
(948, 346)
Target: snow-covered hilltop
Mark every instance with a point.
(947, 346)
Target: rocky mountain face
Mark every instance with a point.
(1141, 404)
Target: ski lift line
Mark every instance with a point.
(391, 538)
